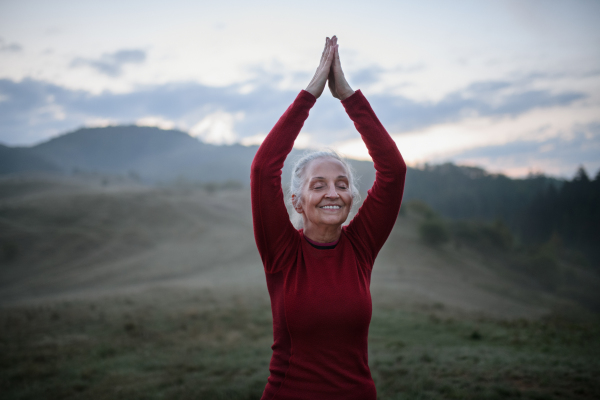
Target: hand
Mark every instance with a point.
(340, 89)
(317, 84)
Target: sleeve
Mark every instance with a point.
(371, 226)
(274, 233)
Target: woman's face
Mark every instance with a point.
(326, 196)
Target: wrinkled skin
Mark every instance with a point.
(326, 199)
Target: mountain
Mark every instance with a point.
(158, 155)
(454, 192)
(152, 153)
(20, 159)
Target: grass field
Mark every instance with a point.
(135, 292)
(169, 344)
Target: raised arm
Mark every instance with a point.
(374, 221)
(377, 215)
(273, 231)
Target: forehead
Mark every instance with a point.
(325, 167)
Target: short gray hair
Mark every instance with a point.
(299, 180)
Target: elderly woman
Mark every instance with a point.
(318, 277)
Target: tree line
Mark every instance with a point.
(534, 211)
(569, 214)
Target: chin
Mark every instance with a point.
(336, 221)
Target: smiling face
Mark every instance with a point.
(326, 195)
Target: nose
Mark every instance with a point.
(332, 193)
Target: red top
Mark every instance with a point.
(320, 299)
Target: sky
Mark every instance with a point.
(510, 86)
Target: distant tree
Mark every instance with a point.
(459, 192)
(581, 175)
(572, 212)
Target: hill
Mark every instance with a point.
(18, 160)
(154, 155)
(151, 153)
(69, 238)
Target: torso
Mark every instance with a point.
(321, 311)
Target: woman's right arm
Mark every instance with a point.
(273, 230)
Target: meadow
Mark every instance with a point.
(132, 292)
(165, 344)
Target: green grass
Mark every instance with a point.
(192, 346)
(415, 356)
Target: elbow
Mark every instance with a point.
(403, 170)
(256, 171)
(261, 171)
(257, 168)
(401, 165)
(401, 173)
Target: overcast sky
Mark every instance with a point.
(512, 86)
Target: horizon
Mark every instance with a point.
(419, 165)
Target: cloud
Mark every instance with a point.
(376, 74)
(112, 64)
(557, 156)
(9, 47)
(32, 110)
(488, 98)
(253, 140)
(217, 128)
(155, 121)
(367, 76)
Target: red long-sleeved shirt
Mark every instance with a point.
(320, 299)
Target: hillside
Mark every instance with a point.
(69, 238)
(19, 160)
(124, 290)
(153, 155)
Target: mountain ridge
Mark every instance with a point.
(160, 156)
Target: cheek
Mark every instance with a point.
(348, 199)
(308, 199)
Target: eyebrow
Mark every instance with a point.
(321, 177)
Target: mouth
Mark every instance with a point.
(331, 207)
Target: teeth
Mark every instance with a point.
(332, 207)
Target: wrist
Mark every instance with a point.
(345, 95)
(312, 91)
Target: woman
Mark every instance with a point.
(318, 277)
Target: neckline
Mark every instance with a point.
(322, 246)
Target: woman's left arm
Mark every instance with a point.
(376, 217)
(373, 223)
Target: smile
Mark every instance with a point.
(331, 207)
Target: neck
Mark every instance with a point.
(323, 233)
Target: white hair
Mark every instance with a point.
(299, 180)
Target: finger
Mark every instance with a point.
(324, 49)
(336, 62)
(330, 53)
(326, 57)
(331, 81)
(324, 67)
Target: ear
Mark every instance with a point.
(297, 204)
